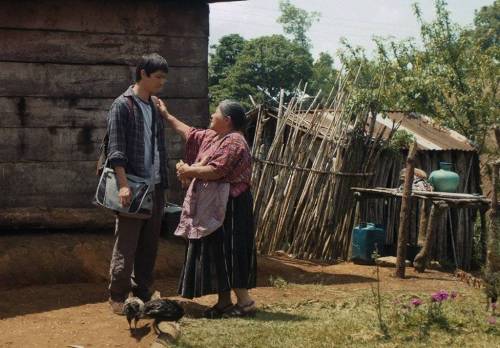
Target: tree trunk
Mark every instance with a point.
(422, 226)
(405, 211)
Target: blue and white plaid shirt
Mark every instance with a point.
(126, 137)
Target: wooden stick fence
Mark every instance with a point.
(306, 161)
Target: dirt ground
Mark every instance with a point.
(78, 314)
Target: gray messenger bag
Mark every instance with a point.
(141, 205)
(106, 196)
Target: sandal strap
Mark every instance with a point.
(215, 312)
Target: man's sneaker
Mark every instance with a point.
(116, 306)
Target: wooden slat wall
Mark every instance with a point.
(62, 64)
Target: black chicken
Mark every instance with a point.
(133, 309)
(162, 310)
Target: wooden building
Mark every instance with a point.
(61, 65)
(455, 237)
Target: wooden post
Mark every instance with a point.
(422, 225)
(421, 260)
(493, 253)
(405, 211)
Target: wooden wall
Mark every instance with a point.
(61, 65)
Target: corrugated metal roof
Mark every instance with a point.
(429, 135)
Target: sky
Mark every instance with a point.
(356, 20)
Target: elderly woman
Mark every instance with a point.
(225, 259)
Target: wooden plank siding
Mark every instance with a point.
(61, 66)
(40, 112)
(41, 46)
(129, 17)
(98, 81)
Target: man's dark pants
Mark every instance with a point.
(134, 252)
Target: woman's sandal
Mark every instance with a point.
(238, 311)
(215, 312)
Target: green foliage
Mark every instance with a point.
(401, 140)
(265, 66)
(366, 85)
(224, 57)
(487, 26)
(296, 22)
(324, 75)
(448, 78)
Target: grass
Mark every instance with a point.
(350, 321)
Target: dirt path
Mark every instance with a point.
(78, 314)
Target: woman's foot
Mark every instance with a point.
(217, 311)
(241, 310)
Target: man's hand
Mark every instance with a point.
(125, 195)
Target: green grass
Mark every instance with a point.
(349, 322)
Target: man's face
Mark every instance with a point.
(154, 82)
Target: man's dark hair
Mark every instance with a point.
(150, 63)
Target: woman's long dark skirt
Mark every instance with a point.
(225, 259)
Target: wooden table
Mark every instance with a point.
(438, 201)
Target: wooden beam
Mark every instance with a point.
(113, 16)
(421, 260)
(405, 212)
(57, 184)
(43, 112)
(87, 81)
(42, 46)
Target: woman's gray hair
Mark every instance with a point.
(235, 111)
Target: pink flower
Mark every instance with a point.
(494, 305)
(492, 320)
(439, 296)
(453, 295)
(416, 302)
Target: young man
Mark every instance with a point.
(130, 150)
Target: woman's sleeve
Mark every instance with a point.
(227, 157)
(194, 140)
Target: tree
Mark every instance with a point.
(323, 74)
(487, 25)
(296, 22)
(224, 57)
(265, 66)
(449, 77)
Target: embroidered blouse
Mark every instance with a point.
(230, 156)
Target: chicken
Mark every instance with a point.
(133, 308)
(162, 310)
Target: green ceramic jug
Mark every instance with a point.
(444, 180)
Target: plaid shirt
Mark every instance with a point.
(126, 137)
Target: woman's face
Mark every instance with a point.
(219, 122)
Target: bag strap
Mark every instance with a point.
(153, 140)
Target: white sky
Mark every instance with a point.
(357, 20)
